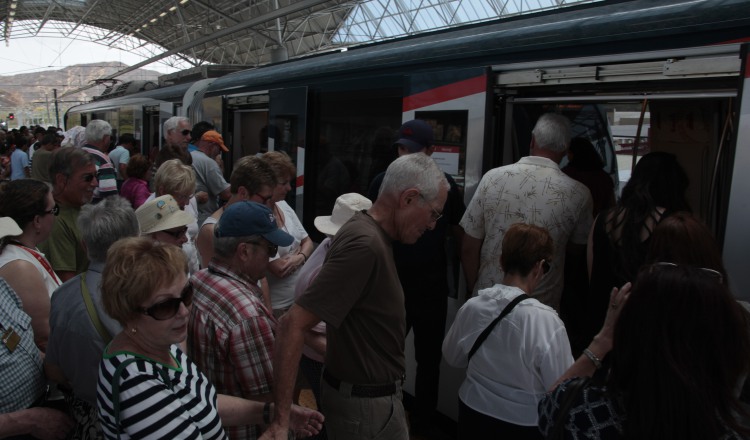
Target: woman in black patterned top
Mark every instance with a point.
(679, 349)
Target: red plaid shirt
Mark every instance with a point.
(230, 336)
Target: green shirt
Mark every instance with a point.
(64, 248)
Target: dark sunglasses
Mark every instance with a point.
(167, 309)
(176, 234)
(185, 132)
(54, 211)
(545, 266)
(89, 177)
(272, 248)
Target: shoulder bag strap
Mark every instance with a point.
(106, 337)
(492, 325)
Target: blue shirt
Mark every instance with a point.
(19, 161)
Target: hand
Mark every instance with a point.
(49, 424)
(288, 264)
(305, 421)
(275, 432)
(617, 299)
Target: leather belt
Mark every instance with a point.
(361, 390)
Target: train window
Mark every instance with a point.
(449, 128)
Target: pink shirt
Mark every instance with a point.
(136, 191)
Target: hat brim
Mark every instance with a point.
(409, 145)
(179, 218)
(325, 225)
(224, 148)
(279, 238)
(9, 228)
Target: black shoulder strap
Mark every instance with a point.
(492, 325)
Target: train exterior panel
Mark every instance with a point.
(672, 70)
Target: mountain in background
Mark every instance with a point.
(30, 96)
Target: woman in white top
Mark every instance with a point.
(523, 354)
(282, 269)
(29, 204)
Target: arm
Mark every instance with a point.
(42, 423)
(28, 283)
(470, 252)
(205, 244)
(290, 335)
(235, 411)
(601, 345)
(123, 169)
(226, 194)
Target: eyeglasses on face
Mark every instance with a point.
(710, 272)
(54, 211)
(167, 309)
(270, 247)
(176, 233)
(435, 214)
(185, 132)
(88, 177)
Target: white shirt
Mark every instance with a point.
(12, 253)
(282, 289)
(523, 356)
(532, 191)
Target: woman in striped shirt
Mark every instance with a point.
(147, 386)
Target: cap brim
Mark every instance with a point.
(410, 145)
(325, 225)
(224, 148)
(279, 238)
(9, 228)
(179, 218)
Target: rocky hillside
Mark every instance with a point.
(29, 95)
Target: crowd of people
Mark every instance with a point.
(145, 296)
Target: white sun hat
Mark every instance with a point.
(344, 208)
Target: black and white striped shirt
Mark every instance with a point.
(149, 408)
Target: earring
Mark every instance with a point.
(133, 330)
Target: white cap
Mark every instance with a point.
(344, 208)
(9, 227)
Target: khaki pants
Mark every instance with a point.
(363, 418)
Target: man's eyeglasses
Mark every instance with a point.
(272, 248)
(177, 234)
(167, 309)
(710, 272)
(54, 211)
(435, 214)
(185, 132)
(89, 177)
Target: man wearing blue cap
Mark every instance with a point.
(358, 294)
(230, 330)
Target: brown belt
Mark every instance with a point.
(361, 390)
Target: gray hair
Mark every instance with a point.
(104, 223)
(172, 123)
(66, 160)
(225, 247)
(552, 132)
(96, 130)
(416, 170)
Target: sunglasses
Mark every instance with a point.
(88, 177)
(167, 309)
(54, 211)
(710, 272)
(185, 132)
(272, 248)
(177, 234)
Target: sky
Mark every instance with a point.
(27, 55)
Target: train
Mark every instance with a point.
(673, 71)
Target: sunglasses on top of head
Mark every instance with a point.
(167, 309)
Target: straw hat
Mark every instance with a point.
(160, 214)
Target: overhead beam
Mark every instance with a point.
(281, 12)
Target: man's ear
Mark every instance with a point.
(408, 196)
(243, 192)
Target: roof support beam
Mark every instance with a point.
(281, 12)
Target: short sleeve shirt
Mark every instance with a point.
(532, 191)
(63, 248)
(358, 294)
(119, 156)
(208, 178)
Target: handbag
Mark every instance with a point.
(568, 398)
(492, 325)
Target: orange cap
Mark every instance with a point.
(215, 137)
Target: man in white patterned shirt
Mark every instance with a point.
(533, 191)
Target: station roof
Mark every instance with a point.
(191, 33)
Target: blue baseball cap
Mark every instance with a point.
(415, 135)
(243, 219)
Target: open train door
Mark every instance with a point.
(287, 125)
(454, 103)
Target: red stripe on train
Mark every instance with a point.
(447, 92)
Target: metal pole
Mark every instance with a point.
(57, 112)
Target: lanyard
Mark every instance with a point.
(43, 261)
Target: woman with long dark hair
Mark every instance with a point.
(678, 351)
(620, 237)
